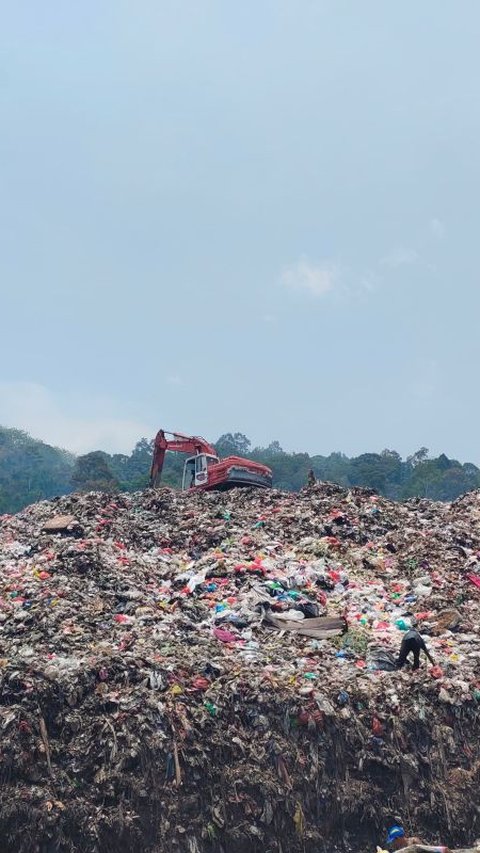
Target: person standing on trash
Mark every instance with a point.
(397, 840)
(311, 480)
(413, 642)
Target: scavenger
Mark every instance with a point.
(413, 642)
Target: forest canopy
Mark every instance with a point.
(31, 470)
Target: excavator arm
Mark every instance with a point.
(179, 443)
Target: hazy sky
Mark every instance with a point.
(258, 216)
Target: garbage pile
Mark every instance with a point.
(215, 671)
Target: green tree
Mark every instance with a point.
(92, 473)
(274, 449)
(30, 470)
(236, 444)
(138, 464)
(418, 457)
(334, 468)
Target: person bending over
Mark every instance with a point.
(413, 642)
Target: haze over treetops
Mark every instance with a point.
(32, 470)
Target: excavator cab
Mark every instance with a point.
(195, 470)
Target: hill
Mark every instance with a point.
(169, 681)
(31, 470)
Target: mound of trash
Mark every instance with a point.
(215, 672)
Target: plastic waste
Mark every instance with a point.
(145, 634)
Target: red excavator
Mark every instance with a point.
(204, 470)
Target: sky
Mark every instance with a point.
(257, 217)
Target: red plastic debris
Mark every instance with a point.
(436, 672)
(225, 636)
(200, 683)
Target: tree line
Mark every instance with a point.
(31, 470)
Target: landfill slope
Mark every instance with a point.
(152, 701)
